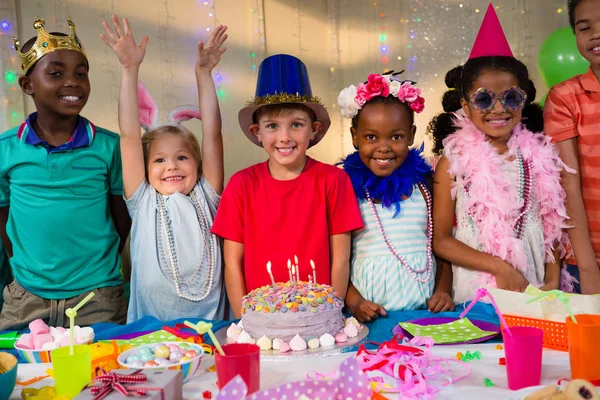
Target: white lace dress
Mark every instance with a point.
(467, 281)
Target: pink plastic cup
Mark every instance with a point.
(242, 360)
(523, 353)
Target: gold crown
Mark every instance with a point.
(47, 43)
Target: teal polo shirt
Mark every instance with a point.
(60, 225)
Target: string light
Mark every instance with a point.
(10, 77)
(5, 25)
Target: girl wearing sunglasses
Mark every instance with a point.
(498, 177)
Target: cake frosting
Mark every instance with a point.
(309, 310)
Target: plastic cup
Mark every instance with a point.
(242, 360)
(523, 353)
(584, 347)
(71, 373)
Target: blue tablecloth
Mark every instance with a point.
(379, 330)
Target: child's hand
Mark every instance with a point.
(552, 285)
(440, 301)
(123, 43)
(510, 279)
(367, 311)
(209, 55)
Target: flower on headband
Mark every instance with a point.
(378, 85)
(352, 98)
(418, 105)
(347, 102)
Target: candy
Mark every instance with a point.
(498, 347)
(477, 355)
(25, 341)
(326, 340)
(145, 350)
(185, 346)
(40, 339)
(175, 356)
(136, 364)
(264, 343)
(313, 343)
(191, 354)
(145, 357)
(174, 347)
(502, 361)
(341, 338)
(162, 361)
(184, 359)
(351, 330)
(275, 344)
(150, 363)
(132, 358)
(459, 356)
(162, 352)
(297, 343)
(206, 394)
(284, 347)
(487, 382)
(38, 327)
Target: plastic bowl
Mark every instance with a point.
(38, 356)
(8, 380)
(188, 368)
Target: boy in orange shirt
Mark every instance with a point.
(572, 119)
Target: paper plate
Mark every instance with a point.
(483, 325)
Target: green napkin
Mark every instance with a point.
(154, 337)
(461, 330)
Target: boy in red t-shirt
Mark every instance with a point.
(572, 119)
(290, 205)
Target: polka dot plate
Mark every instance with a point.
(449, 330)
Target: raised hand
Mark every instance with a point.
(122, 42)
(209, 54)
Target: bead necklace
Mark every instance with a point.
(525, 183)
(412, 271)
(170, 256)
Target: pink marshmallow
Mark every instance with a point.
(38, 327)
(25, 341)
(64, 341)
(40, 339)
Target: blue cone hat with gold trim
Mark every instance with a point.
(283, 79)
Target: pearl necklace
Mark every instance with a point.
(412, 271)
(170, 256)
(525, 184)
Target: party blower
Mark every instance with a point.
(523, 348)
(72, 365)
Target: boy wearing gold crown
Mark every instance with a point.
(290, 205)
(60, 194)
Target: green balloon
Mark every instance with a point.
(559, 58)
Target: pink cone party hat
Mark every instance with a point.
(490, 40)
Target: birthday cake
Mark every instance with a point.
(286, 316)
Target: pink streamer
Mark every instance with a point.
(414, 371)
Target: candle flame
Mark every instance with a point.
(269, 267)
(312, 264)
(296, 260)
(289, 263)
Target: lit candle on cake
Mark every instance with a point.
(310, 281)
(290, 271)
(271, 274)
(297, 269)
(293, 277)
(312, 265)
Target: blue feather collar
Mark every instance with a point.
(391, 189)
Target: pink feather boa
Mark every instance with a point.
(494, 201)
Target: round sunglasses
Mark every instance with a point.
(484, 100)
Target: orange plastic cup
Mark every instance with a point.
(584, 347)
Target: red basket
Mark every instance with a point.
(555, 333)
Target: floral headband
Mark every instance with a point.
(353, 98)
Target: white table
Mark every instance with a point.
(555, 367)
